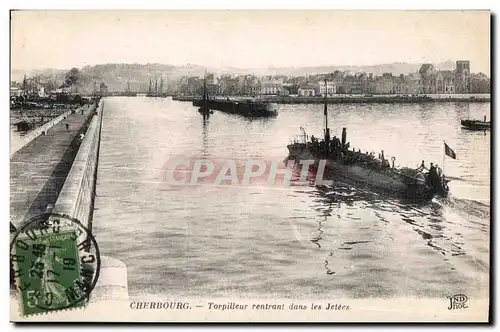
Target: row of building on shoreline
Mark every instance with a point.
(427, 80)
(130, 80)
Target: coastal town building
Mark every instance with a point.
(445, 82)
(255, 89)
(338, 80)
(398, 84)
(307, 90)
(362, 83)
(385, 84)
(347, 83)
(411, 84)
(227, 85)
(327, 88)
(428, 76)
(271, 87)
(480, 83)
(291, 88)
(250, 85)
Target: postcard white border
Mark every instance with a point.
(189, 4)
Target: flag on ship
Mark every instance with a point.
(449, 152)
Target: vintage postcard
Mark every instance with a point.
(250, 166)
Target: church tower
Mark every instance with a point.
(462, 77)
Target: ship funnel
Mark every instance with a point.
(344, 137)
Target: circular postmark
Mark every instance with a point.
(55, 263)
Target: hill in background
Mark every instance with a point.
(118, 76)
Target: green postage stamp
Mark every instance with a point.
(53, 267)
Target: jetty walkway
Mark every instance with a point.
(58, 168)
(39, 169)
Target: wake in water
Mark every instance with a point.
(468, 206)
(453, 227)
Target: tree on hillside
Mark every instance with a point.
(73, 77)
(51, 84)
(103, 89)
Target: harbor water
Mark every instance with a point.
(300, 241)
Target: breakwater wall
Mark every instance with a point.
(24, 140)
(76, 200)
(77, 195)
(380, 99)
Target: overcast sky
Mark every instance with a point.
(248, 39)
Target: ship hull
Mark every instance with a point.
(247, 109)
(366, 176)
(475, 125)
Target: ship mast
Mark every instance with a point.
(204, 107)
(326, 108)
(327, 130)
(205, 90)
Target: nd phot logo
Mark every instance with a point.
(458, 301)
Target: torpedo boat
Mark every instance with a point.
(365, 169)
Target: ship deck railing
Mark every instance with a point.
(300, 139)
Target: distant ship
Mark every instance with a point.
(156, 88)
(476, 124)
(129, 92)
(204, 109)
(363, 168)
(245, 107)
